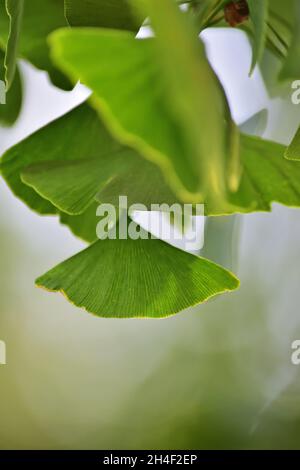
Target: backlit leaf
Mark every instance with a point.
(15, 12)
(259, 16)
(137, 278)
(166, 82)
(13, 98)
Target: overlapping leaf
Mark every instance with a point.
(266, 178)
(13, 98)
(116, 14)
(159, 96)
(291, 68)
(73, 160)
(137, 278)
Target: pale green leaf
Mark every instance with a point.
(137, 278)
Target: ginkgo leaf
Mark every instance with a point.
(169, 84)
(116, 14)
(267, 177)
(137, 278)
(13, 98)
(15, 12)
(60, 172)
(293, 150)
(40, 18)
(259, 16)
(80, 135)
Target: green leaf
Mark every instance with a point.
(137, 278)
(40, 18)
(80, 139)
(75, 136)
(10, 111)
(266, 178)
(259, 16)
(291, 67)
(159, 96)
(15, 12)
(293, 150)
(83, 225)
(115, 14)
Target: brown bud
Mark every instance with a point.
(236, 12)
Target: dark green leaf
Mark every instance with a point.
(69, 143)
(259, 16)
(15, 12)
(83, 225)
(40, 18)
(293, 150)
(166, 82)
(291, 68)
(137, 278)
(116, 14)
(9, 111)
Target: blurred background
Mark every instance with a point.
(216, 376)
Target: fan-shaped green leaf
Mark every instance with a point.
(83, 225)
(50, 155)
(40, 18)
(266, 178)
(137, 278)
(168, 110)
(116, 14)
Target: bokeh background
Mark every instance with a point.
(215, 376)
